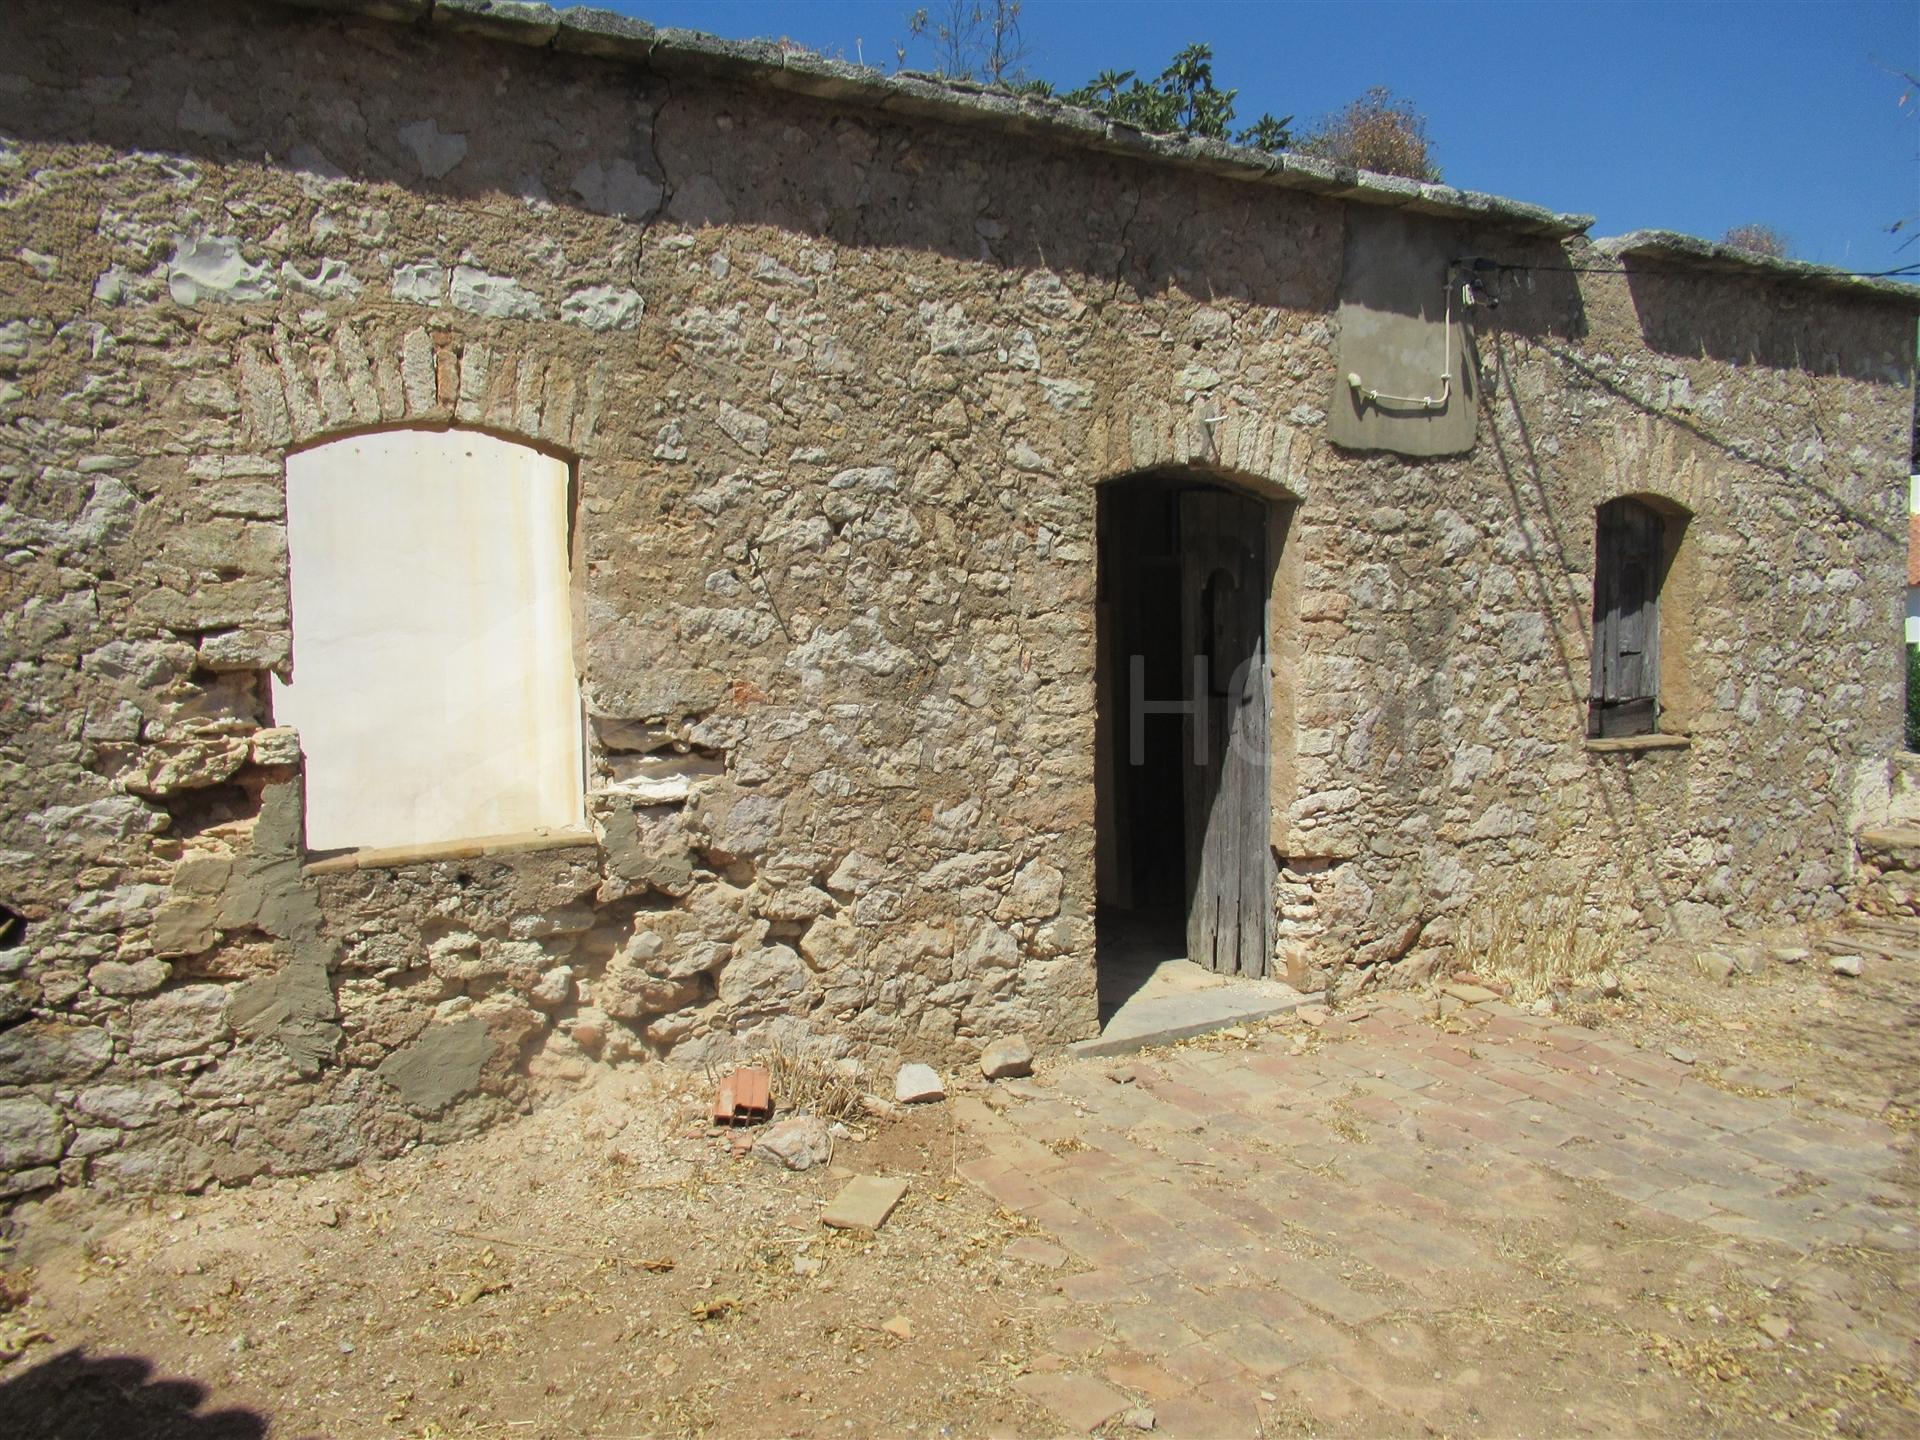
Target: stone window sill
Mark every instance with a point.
(395, 856)
(1637, 744)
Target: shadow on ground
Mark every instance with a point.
(77, 1396)
(1132, 946)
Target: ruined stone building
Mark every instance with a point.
(530, 539)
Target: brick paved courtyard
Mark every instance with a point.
(1447, 1218)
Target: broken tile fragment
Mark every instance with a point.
(864, 1203)
(744, 1097)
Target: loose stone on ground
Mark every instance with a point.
(918, 1085)
(797, 1143)
(1007, 1058)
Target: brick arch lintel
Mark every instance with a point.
(1258, 453)
(297, 392)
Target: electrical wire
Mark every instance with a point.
(1904, 270)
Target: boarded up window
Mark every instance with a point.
(1629, 558)
(433, 681)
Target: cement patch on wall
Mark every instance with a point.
(1403, 338)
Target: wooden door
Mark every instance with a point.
(1223, 605)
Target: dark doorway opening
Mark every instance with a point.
(1182, 850)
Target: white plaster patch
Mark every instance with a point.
(435, 151)
(616, 189)
(770, 271)
(211, 267)
(423, 283)
(203, 118)
(1048, 293)
(672, 442)
(313, 169)
(1064, 395)
(949, 332)
(500, 297)
(603, 307)
(1023, 354)
(330, 279)
(1023, 456)
(867, 480)
(749, 432)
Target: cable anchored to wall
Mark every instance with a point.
(1367, 395)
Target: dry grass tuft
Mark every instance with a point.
(1536, 943)
(805, 1079)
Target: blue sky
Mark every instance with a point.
(1682, 116)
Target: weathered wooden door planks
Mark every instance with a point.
(1223, 550)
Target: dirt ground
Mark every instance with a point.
(606, 1267)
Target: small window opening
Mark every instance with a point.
(13, 928)
(1630, 561)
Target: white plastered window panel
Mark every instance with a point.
(433, 682)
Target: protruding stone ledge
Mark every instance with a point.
(1665, 248)
(1637, 744)
(1892, 847)
(775, 67)
(392, 857)
(518, 22)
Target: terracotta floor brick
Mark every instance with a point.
(1324, 1290)
(1323, 1393)
(1147, 1379)
(1151, 1331)
(1201, 1364)
(1261, 1351)
(1075, 1341)
(1032, 1251)
(1243, 1239)
(1080, 1402)
(1100, 1287)
(1017, 1192)
(1197, 1416)
(1195, 1307)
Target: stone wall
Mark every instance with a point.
(838, 387)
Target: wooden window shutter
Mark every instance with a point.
(1628, 543)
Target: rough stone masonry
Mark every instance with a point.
(839, 363)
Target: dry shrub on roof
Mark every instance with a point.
(1758, 240)
(1379, 131)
